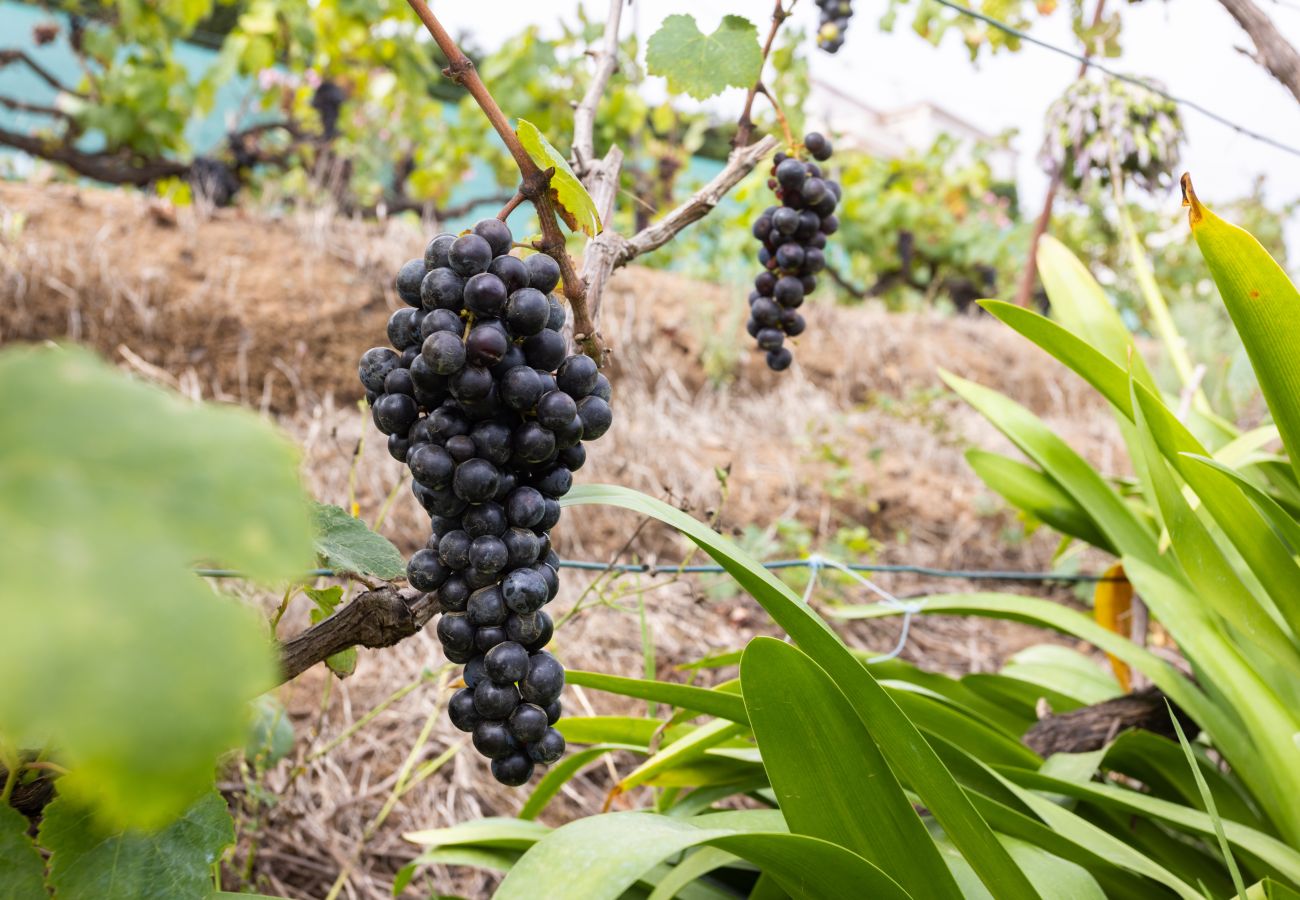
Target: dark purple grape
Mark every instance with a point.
(550, 517)
(514, 769)
(492, 442)
(398, 447)
(555, 321)
(453, 596)
(461, 711)
(486, 607)
(497, 701)
(512, 272)
(572, 458)
(486, 345)
(528, 722)
(425, 572)
(545, 350)
(461, 447)
(453, 549)
(485, 518)
(556, 409)
(524, 591)
(790, 173)
(408, 281)
(395, 413)
(532, 443)
(548, 749)
(522, 547)
(527, 312)
(491, 737)
(443, 352)
(488, 553)
(543, 272)
(779, 360)
(435, 252)
(506, 663)
(770, 339)
(455, 631)
(577, 376)
(374, 367)
(496, 233)
(442, 289)
(525, 507)
(485, 294)
(817, 145)
(521, 388)
(544, 681)
(488, 637)
(469, 254)
(403, 329)
(399, 381)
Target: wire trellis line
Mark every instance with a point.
(811, 562)
(1119, 76)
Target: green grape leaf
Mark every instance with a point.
(270, 738)
(22, 871)
(326, 600)
(702, 65)
(345, 544)
(88, 861)
(110, 491)
(343, 663)
(571, 199)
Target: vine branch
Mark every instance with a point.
(535, 183)
(584, 114)
(377, 618)
(745, 127)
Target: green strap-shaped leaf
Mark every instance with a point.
(914, 760)
(682, 753)
(602, 856)
(22, 870)
(87, 861)
(562, 772)
(711, 702)
(344, 543)
(571, 199)
(1273, 852)
(1264, 552)
(1054, 616)
(1276, 514)
(1080, 304)
(830, 778)
(702, 65)
(1028, 489)
(1265, 308)
(1099, 500)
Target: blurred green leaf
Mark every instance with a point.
(87, 861)
(110, 490)
(22, 869)
(702, 65)
(1027, 488)
(345, 544)
(271, 736)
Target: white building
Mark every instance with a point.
(894, 133)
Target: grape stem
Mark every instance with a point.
(511, 205)
(745, 127)
(535, 183)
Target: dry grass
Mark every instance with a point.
(272, 314)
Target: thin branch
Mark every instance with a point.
(510, 206)
(745, 127)
(1272, 50)
(38, 109)
(378, 618)
(739, 164)
(584, 115)
(111, 168)
(610, 250)
(10, 56)
(535, 182)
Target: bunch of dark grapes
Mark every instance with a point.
(835, 15)
(484, 404)
(793, 237)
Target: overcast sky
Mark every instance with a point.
(1189, 45)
